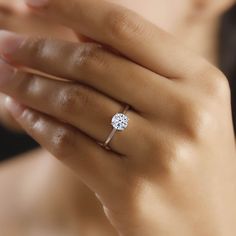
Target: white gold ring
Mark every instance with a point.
(119, 122)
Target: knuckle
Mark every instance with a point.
(216, 83)
(172, 157)
(123, 23)
(33, 120)
(28, 85)
(61, 140)
(194, 118)
(73, 97)
(37, 48)
(167, 153)
(88, 56)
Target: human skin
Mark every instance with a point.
(185, 160)
(15, 16)
(28, 196)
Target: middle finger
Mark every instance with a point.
(88, 63)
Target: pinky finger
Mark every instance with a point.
(83, 155)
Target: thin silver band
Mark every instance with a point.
(111, 135)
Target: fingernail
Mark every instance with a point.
(6, 72)
(15, 108)
(37, 3)
(9, 43)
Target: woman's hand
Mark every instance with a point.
(173, 170)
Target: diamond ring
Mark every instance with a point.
(119, 122)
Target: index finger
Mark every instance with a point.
(124, 30)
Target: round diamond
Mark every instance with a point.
(120, 121)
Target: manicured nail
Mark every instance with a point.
(37, 3)
(6, 72)
(9, 43)
(15, 108)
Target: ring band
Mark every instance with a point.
(119, 122)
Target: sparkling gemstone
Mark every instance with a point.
(120, 121)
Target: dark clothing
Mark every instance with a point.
(13, 144)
